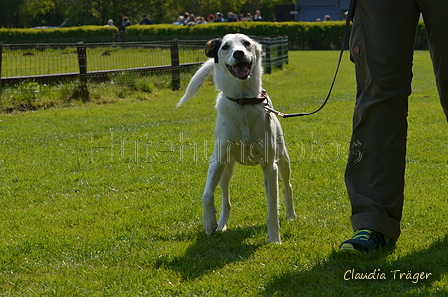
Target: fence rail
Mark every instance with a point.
(46, 63)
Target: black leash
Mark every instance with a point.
(344, 40)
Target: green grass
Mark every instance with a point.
(30, 95)
(104, 200)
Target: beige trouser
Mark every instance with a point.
(381, 45)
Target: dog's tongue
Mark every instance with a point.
(242, 70)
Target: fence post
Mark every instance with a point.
(82, 58)
(268, 57)
(1, 58)
(285, 50)
(280, 53)
(82, 61)
(175, 71)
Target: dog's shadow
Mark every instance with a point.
(210, 253)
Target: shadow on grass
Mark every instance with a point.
(209, 253)
(389, 277)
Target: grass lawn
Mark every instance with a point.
(105, 200)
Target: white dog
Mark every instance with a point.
(245, 132)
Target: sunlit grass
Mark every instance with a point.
(104, 200)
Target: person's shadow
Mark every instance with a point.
(337, 275)
(209, 253)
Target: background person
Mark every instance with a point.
(110, 23)
(125, 22)
(146, 20)
(219, 18)
(257, 17)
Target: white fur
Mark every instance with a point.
(244, 133)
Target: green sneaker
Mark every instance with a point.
(364, 241)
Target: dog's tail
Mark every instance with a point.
(196, 81)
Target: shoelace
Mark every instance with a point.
(367, 235)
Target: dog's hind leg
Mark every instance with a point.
(225, 187)
(285, 173)
(271, 184)
(215, 171)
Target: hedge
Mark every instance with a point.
(56, 35)
(302, 35)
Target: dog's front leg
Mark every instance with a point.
(285, 173)
(271, 183)
(208, 201)
(225, 187)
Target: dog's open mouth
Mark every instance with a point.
(240, 70)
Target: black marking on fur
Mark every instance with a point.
(212, 47)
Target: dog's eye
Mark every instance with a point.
(246, 43)
(225, 47)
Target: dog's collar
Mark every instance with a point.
(255, 100)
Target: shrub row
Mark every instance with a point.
(302, 35)
(54, 35)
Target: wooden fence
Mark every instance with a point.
(276, 50)
(90, 61)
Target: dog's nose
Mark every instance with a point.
(238, 54)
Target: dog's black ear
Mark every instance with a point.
(212, 47)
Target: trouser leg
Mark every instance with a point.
(381, 46)
(435, 14)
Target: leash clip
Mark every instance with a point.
(271, 110)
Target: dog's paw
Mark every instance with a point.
(221, 228)
(291, 216)
(209, 230)
(210, 225)
(274, 236)
(275, 240)
(209, 217)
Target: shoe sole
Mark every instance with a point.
(348, 248)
